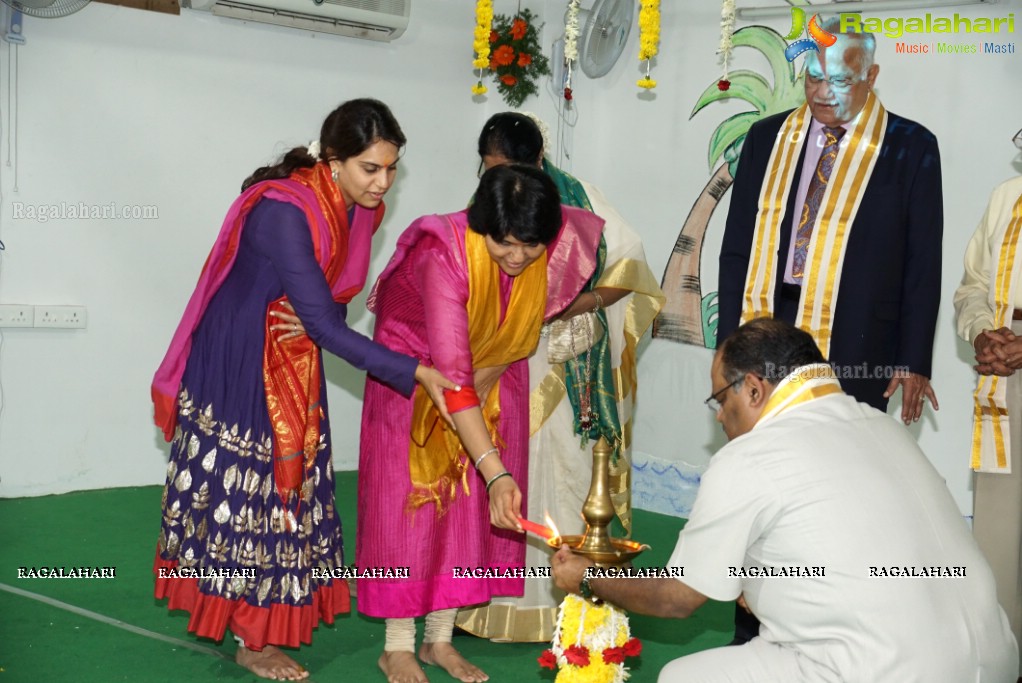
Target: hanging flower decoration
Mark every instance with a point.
(649, 38)
(481, 43)
(591, 643)
(517, 58)
(570, 45)
(727, 28)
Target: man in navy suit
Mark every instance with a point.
(835, 226)
(884, 312)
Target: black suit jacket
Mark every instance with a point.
(890, 282)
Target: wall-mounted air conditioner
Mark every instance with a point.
(371, 19)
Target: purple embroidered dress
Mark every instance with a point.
(221, 509)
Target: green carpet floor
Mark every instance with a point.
(114, 630)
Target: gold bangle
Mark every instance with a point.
(599, 301)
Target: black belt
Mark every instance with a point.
(791, 292)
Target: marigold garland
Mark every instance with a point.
(481, 42)
(590, 644)
(517, 58)
(649, 38)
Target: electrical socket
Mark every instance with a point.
(16, 315)
(67, 317)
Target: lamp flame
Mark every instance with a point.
(553, 527)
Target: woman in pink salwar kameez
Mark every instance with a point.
(466, 293)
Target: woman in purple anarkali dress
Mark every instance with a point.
(250, 530)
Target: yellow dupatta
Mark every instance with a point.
(436, 458)
(852, 170)
(806, 383)
(990, 435)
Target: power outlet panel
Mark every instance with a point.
(65, 317)
(17, 315)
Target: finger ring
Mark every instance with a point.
(294, 326)
(922, 398)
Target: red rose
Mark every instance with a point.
(723, 84)
(547, 660)
(524, 59)
(494, 36)
(632, 648)
(567, 94)
(614, 655)
(504, 55)
(508, 80)
(518, 29)
(577, 655)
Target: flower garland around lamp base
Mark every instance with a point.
(590, 644)
(517, 58)
(649, 38)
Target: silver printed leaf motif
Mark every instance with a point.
(193, 446)
(209, 461)
(251, 484)
(264, 588)
(183, 481)
(222, 513)
(230, 477)
(200, 499)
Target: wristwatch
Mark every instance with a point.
(585, 589)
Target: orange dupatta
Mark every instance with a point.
(291, 366)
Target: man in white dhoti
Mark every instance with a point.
(988, 314)
(827, 520)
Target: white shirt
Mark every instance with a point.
(835, 484)
(973, 312)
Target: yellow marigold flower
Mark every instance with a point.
(479, 88)
(649, 29)
(647, 83)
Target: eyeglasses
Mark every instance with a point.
(1018, 139)
(714, 403)
(841, 83)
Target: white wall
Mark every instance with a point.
(139, 108)
(118, 105)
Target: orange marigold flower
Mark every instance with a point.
(524, 59)
(504, 55)
(518, 29)
(494, 36)
(508, 80)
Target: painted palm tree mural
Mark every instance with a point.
(689, 316)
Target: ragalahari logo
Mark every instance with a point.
(818, 37)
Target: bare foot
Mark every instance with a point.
(446, 657)
(401, 667)
(270, 663)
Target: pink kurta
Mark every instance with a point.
(420, 304)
